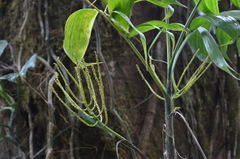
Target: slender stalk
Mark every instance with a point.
(111, 131)
(191, 16)
(140, 57)
(169, 140)
(192, 134)
(30, 136)
(50, 120)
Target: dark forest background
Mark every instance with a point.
(42, 128)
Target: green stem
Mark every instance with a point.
(106, 128)
(169, 140)
(140, 57)
(191, 16)
(150, 70)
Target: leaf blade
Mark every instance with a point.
(123, 6)
(236, 3)
(77, 33)
(153, 24)
(227, 23)
(208, 6)
(29, 64)
(163, 3)
(208, 46)
(3, 45)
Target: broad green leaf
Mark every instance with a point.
(196, 44)
(163, 3)
(238, 46)
(209, 45)
(232, 13)
(208, 6)
(226, 23)
(141, 35)
(223, 40)
(155, 2)
(197, 22)
(213, 51)
(29, 64)
(77, 33)
(123, 6)
(12, 77)
(105, 2)
(173, 2)
(236, 3)
(3, 45)
(153, 24)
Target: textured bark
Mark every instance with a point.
(148, 122)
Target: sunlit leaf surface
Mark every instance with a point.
(77, 33)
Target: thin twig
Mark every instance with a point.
(55, 137)
(30, 136)
(50, 119)
(191, 132)
(40, 18)
(131, 146)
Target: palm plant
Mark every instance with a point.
(208, 36)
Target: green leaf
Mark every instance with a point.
(223, 40)
(196, 44)
(155, 2)
(232, 13)
(141, 35)
(12, 77)
(123, 6)
(153, 24)
(173, 2)
(29, 64)
(226, 23)
(208, 6)
(207, 45)
(197, 22)
(77, 33)
(163, 3)
(236, 3)
(105, 2)
(169, 13)
(3, 45)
